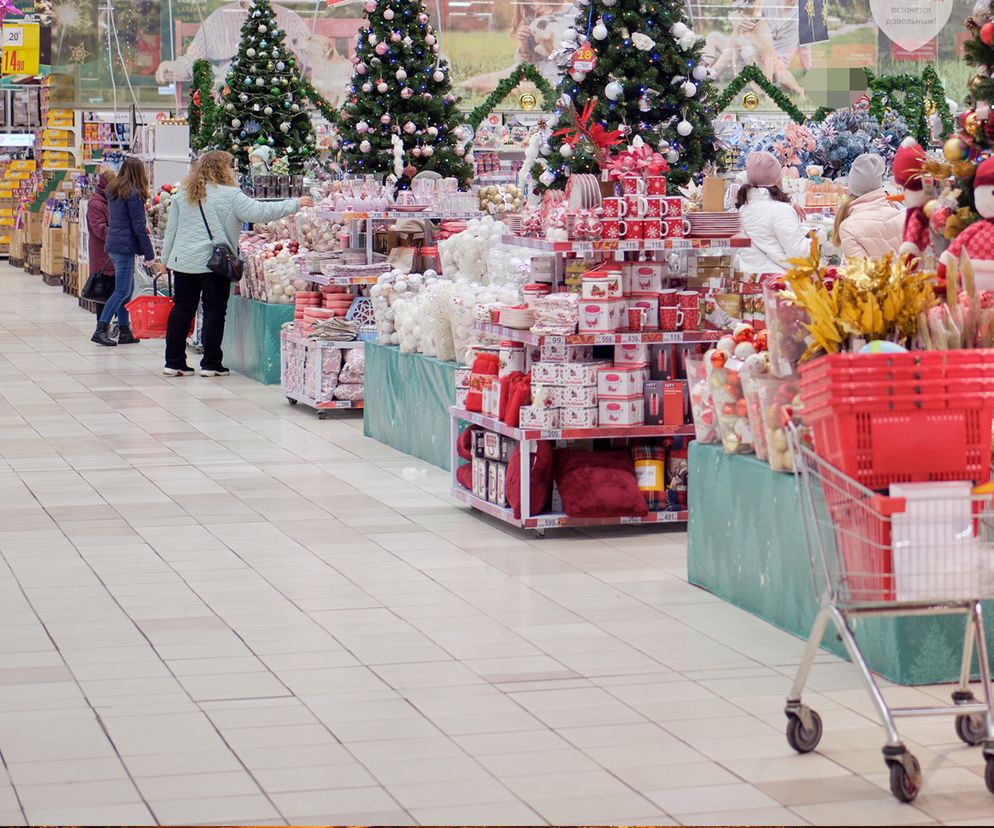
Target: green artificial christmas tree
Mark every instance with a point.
(263, 101)
(400, 116)
(639, 64)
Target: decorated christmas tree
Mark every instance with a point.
(263, 100)
(400, 115)
(634, 66)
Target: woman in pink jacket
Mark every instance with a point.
(867, 225)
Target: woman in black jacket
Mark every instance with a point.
(127, 236)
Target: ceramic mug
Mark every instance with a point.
(670, 318)
(655, 207)
(652, 228)
(636, 206)
(691, 319)
(633, 185)
(688, 299)
(636, 229)
(636, 319)
(614, 207)
(674, 206)
(668, 296)
(656, 185)
(614, 229)
(676, 228)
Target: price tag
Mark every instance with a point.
(720, 244)
(345, 403)
(583, 247)
(672, 336)
(630, 519)
(654, 244)
(603, 339)
(630, 339)
(680, 244)
(555, 341)
(354, 216)
(551, 434)
(550, 523)
(667, 517)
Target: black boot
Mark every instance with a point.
(100, 335)
(125, 337)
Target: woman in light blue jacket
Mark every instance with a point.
(211, 186)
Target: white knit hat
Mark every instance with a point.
(866, 174)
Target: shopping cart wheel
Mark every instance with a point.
(540, 533)
(989, 773)
(800, 738)
(971, 728)
(322, 415)
(905, 777)
(291, 400)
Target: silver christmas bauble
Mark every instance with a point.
(365, 146)
(388, 14)
(438, 76)
(230, 107)
(284, 127)
(268, 110)
(614, 90)
(262, 28)
(401, 75)
(684, 128)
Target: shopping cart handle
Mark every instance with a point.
(885, 505)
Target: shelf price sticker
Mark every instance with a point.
(550, 522)
(630, 339)
(629, 519)
(680, 244)
(551, 434)
(21, 48)
(720, 244)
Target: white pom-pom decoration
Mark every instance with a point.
(365, 146)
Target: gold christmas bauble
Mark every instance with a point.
(972, 124)
(750, 101)
(527, 101)
(956, 149)
(929, 207)
(930, 107)
(975, 83)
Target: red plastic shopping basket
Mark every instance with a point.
(149, 316)
(894, 418)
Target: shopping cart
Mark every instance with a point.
(873, 555)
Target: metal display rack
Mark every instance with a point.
(294, 385)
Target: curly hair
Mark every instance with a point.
(214, 167)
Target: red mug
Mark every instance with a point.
(613, 229)
(654, 207)
(614, 207)
(676, 228)
(636, 206)
(691, 319)
(673, 206)
(636, 319)
(652, 228)
(636, 229)
(670, 318)
(656, 185)
(688, 299)
(633, 185)
(668, 296)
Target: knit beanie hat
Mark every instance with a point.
(866, 174)
(763, 169)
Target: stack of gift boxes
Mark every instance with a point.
(491, 453)
(723, 288)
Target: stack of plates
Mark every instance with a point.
(714, 225)
(520, 317)
(583, 191)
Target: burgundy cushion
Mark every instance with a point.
(540, 478)
(464, 475)
(464, 447)
(598, 483)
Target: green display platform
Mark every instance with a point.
(746, 545)
(252, 338)
(407, 402)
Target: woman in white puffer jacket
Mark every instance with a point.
(868, 225)
(768, 218)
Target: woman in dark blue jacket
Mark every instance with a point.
(127, 237)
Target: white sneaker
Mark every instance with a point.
(177, 372)
(214, 372)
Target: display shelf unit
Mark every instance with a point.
(339, 280)
(525, 437)
(295, 382)
(651, 337)
(625, 245)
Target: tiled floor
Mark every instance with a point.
(217, 608)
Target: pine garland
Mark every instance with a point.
(907, 95)
(753, 74)
(202, 110)
(522, 72)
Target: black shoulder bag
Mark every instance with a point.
(223, 262)
(99, 286)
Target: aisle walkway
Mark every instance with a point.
(216, 608)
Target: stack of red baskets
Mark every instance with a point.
(894, 418)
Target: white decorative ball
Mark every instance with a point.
(599, 31)
(295, 108)
(433, 131)
(260, 82)
(365, 146)
(268, 110)
(395, 37)
(401, 75)
(566, 150)
(427, 152)
(388, 14)
(700, 72)
(280, 65)
(684, 128)
(569, 34)
(579, 76)
(262, 28)
(672, 156)
(459, 150)
(250, 52)
(367, 87)
(614, 90)
(235, 122)
(423, 18)
(545, 149)
(679, 29)
(381, 87)
(362, 127)
(460, 133)
(547, 178)
(360, 68)
(409, 127)
(230, 107)
(430, 40)
(438, 76)
(284, 127)
(689, 89)
(385, 118)
(416, 152)
(469, 157)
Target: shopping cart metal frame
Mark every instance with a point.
(840, 603)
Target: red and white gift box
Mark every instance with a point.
(621, 411)
(579, 416)
(600, 315)
(621, 382)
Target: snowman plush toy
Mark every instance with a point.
(908, 163)
(978, 239)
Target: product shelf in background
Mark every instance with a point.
(357, 215)
(560, 521)
(600, 433)
(620, 338)
(625, 245)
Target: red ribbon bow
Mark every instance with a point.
(599, 138)
(641, 161)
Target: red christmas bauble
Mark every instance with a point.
(987, 33)
(410, 171)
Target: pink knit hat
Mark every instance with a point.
(763, 169)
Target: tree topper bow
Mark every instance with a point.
(8, 7)
(599, 138)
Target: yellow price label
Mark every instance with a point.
(21, 49)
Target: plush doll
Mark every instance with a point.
(259, 159)
(977, 239)
(908, 163)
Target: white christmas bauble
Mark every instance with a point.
(687, 42)
(460, 150)
(672, 156)
(700, 72)
(409, 128)
(407, 93)
(545, 149)
(427, 152)
(679, 29)
(372, 38)
(469, 157)
(433, 131)
(388, 14)
(381, 87)
(599, 31)
(284, 127)
(243, 98)
(430, 39)
(367, 87)
(460, 133)
(385, 118)
(280, 66)
(401, 75)
(684, 128)
(423, 18)
(614, 90)
(267, 110)
(395, 37)
(230, 107)
(566, 150)
(362, 127)
(294, 108)
(547, 178)
(438, 76)
(260, 82)
(250, 52)
(262, 28)
(579, 76)
(235, 122)
(569, 34)
(689, 89)
(365, 146)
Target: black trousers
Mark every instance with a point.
(188, 289)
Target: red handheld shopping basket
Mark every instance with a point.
(150, 314)
(893, 418)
